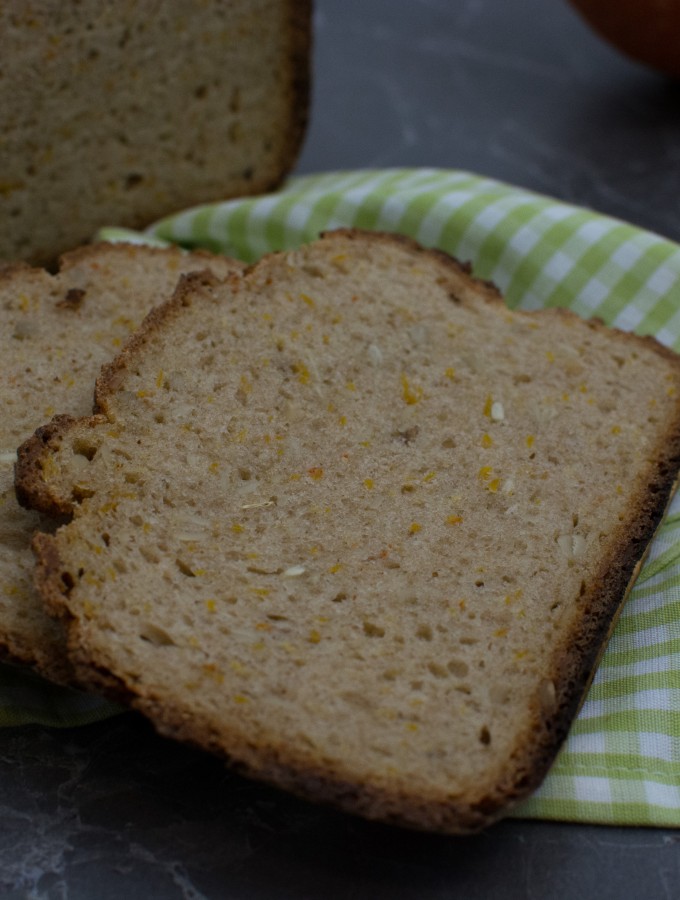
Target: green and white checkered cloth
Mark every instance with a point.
(621, 762)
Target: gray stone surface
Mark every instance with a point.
(113, 812)
(518, 90)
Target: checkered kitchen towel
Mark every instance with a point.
(621, 762)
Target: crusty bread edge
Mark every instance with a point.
(301, 27)
(57, 669)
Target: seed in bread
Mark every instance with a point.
(55, 333)
(351, 522)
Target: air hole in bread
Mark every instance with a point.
(80, 493)
(260, 570)
(406, 435)
(313, 270)
(484, 736)
(184, 568)
(68, 582)
(83, 448)
(373, 630)
(424, 632)
(150, 555)
(156, 636)
(438, 670)
(72, 299)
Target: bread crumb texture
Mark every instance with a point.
(56, 331)
(350, 521)
(121, 113)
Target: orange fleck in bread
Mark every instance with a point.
(413, 652)
(55, 333)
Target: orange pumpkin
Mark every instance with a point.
(646, 30)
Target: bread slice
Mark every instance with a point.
(55, 333)
(120, 114)
(351, 522)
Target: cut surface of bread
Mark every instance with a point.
(56, 331)
(349, 521)
(122, 113)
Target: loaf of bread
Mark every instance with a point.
(121, 113)
(351, 522)
(55, 333)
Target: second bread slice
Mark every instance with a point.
(56, 331)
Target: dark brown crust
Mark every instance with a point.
(10, 270)
(94, 252)
(56, 668)
(47, 572)
(75, 257)
(576, 660)
(31, 489)
(300, 17)
(460, 271)
(112, 373)
(573, 663)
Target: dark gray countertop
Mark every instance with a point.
(518, 90)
